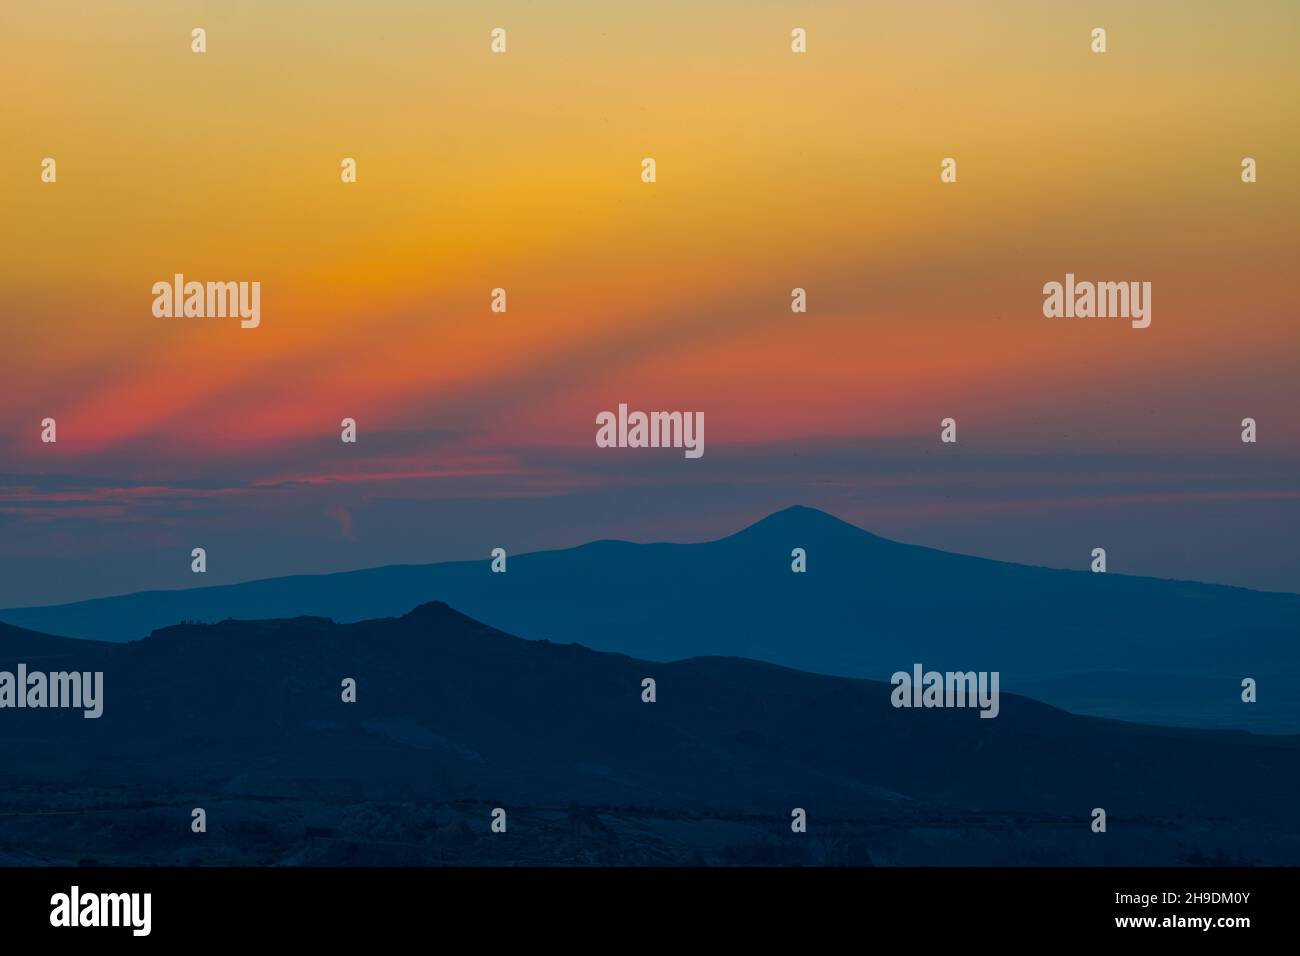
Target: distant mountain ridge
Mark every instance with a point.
(453, 718)
(1144, 649)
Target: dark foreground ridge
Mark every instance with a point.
(454, 718)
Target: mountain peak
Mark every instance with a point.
(430, 609)
(800, 519)
(441, 613)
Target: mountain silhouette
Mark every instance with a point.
(17, 642)
(1145, 649)
(454, 718)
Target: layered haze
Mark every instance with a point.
(1112, 645)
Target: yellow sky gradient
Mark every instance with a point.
(522, 171)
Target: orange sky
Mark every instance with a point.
(521, 170)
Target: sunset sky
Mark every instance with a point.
(522, 171)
